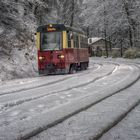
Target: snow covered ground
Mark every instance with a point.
(87, 103)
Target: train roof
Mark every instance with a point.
(59, 27)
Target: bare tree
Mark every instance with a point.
(105, 28)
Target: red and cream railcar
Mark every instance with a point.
(61, 49)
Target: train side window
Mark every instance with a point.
(69, 40)
(86, 42)
(76, 41)
(82, 42)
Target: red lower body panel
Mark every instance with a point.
(52, 62)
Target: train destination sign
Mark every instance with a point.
(51, 29)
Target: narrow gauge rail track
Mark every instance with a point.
(122, 116)
(84, 105)
(105, 129)
(3, 93)
(8, 105)
(118, 119)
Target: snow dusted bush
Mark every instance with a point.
(138, 53)
(132, 53)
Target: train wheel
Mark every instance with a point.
(72, 69)
(86, 66)
(82, 66)
(46, 72)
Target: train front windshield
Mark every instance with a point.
(51, 41)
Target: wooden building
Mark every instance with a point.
(97, 46)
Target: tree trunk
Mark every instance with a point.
(130, 22)
(72, 14)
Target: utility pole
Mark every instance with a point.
(105, 27)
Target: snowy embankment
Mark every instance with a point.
(19, 64)
(18, 52)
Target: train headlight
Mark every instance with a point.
(61, 56)
(41, 58)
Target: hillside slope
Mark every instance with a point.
(18, 22)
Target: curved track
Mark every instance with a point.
(25, 110)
